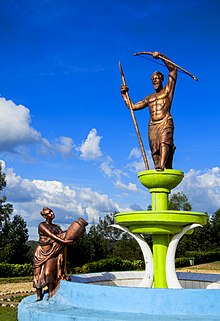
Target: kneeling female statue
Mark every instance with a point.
(49, 261)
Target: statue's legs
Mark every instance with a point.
(164, 154)
(169, 163)
(38, 282)
(164, 158)
(39, 294)
(156, 159)
(50, 272)
(51, 288)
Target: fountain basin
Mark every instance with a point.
(163, 181)
(85, 302)
(159, 222)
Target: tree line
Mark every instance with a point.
(100, 241)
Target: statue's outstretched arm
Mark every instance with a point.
(54, 236)
(135, 106)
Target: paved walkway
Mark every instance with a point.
(16, 287)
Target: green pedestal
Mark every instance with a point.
(160, 185)
(160, 222)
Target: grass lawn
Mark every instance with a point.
(213, 267)
(16, 279)
(8, 314)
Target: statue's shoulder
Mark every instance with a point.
(150, 98)
(41, 225)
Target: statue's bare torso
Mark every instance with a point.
(159, 106)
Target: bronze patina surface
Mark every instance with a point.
(161, 127)
(49, 262)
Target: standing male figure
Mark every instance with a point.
(160, 127)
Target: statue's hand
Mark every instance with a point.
(156, 54)
(68, 242)
(124, 89)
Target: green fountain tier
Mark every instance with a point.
(161, 181)
(159, 222)
(165, 226)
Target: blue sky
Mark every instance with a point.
(66, 138)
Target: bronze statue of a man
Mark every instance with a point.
(161, 127)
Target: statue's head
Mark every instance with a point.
(157, 80)
(47, 212)
(159, 75)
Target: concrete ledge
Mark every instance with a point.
(133, 278)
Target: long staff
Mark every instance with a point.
(134, 119)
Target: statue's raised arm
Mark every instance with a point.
(164, 58)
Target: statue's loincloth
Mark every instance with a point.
(160, 132)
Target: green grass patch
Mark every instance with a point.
(19, 279)
(8, 314)
(18, 298)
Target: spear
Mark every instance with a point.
(167, 60)
(134, 119)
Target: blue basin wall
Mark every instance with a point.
(77, 301)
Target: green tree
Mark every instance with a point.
(193, 242)
(215, 222)
(5, 209)
(13, 231)
(127, 248)
(179, 202)
(204, 238)
(103, 241)
(115, 243)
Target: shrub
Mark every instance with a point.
(138, 265)
(181, 262)
(204, 257)
(115, 264)
(14, 270)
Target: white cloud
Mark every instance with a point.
(29, 196)
(202, 189)
(109, 169)
(107, 166)
(128, 187)
(135, 153)
(46, 148)
(90, 148)
(16, 132)
(137, 164)
(63, 145)
(15, 129)
(18, 189)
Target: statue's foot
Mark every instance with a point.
(38, 299)
(159, 169)
(39, 295)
